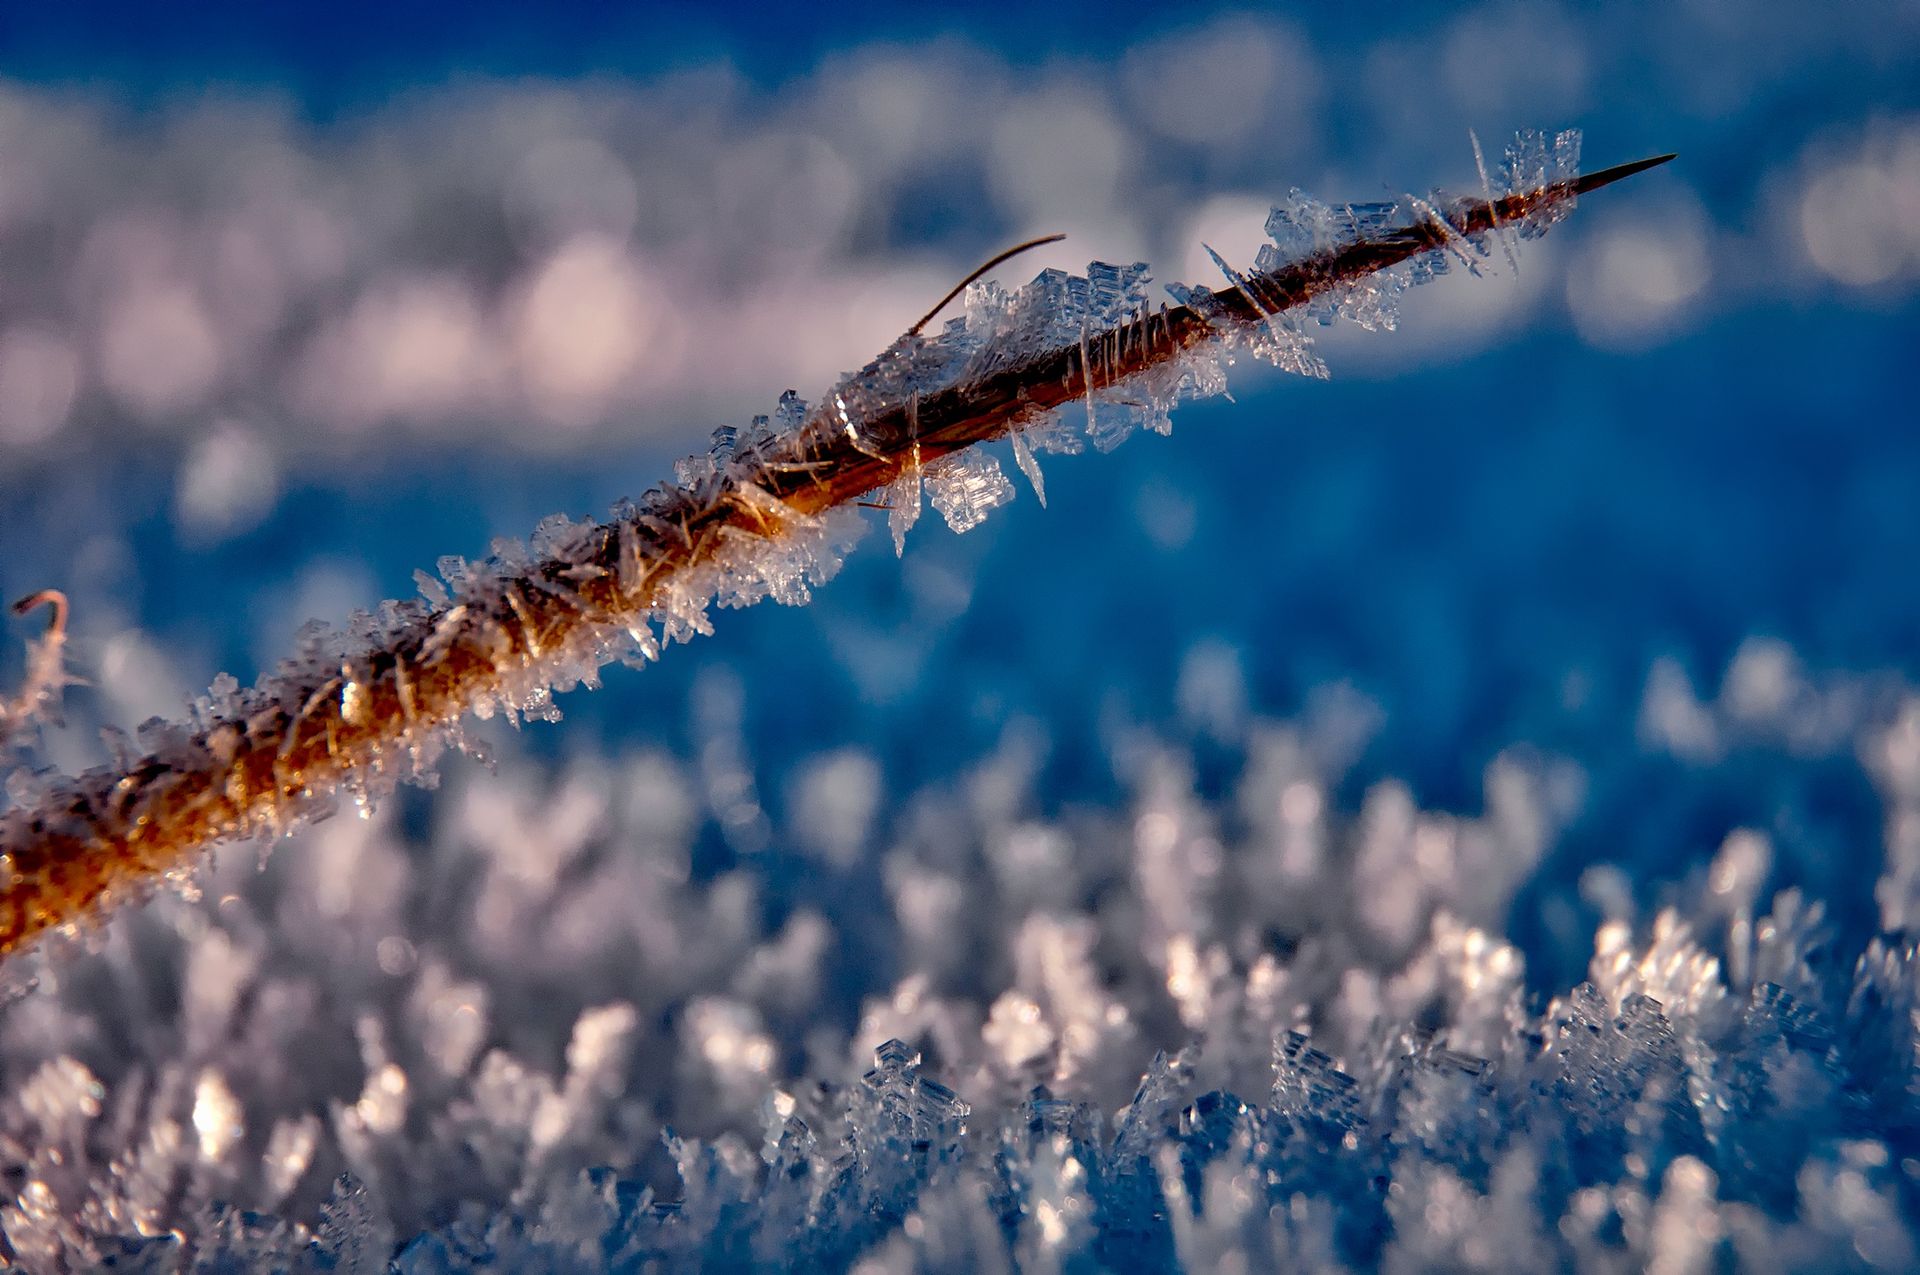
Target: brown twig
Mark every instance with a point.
(377, 714)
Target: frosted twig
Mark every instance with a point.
(375, 706)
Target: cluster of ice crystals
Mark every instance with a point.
(1055, 311)
(1303, 231)
(1147, 399)
(967, 486)
(1001, 329)
(1535, 160)
(1303, 227)
(1252, 1028)
(750, 568)
(1281, 337)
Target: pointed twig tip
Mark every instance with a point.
(1608, 176)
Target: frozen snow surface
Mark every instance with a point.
(1219, 1024)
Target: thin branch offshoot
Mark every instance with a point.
(38, 698)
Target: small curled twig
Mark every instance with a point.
(39, 695)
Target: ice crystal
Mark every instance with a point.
(904, 498)
(1023, 456)
(965, 488)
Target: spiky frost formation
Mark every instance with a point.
(761, 515)
(1255, 1031)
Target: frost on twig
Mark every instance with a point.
(766, 512)
(38, 697)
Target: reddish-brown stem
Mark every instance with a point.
(254, 768)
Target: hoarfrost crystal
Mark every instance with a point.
(966, 487)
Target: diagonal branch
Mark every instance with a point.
(363, 713)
